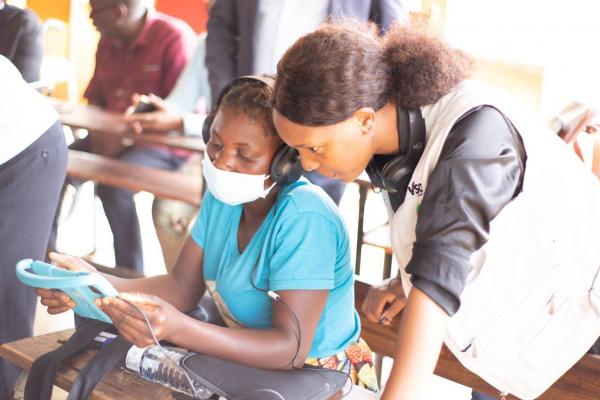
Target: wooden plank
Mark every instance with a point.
(81, 116)
(111, 172)
(117, 384)
(579, 383)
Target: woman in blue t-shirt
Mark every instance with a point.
(268, 251)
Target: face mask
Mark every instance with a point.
(231, 187)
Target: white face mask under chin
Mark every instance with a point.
(234, 188)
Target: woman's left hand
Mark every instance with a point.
(384, 301)
(130, 322)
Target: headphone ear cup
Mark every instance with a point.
(206, 125)
(395, 173)
(285, 166)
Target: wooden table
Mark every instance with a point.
(117, 384)
(95, 119)
(171, 185)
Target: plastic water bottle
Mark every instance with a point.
(152, 364)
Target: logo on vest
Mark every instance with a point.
(415, 189)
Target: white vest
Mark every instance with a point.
(531, 306)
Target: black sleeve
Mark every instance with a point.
(222, 41)
(21, 41)
(28, 55)
(479, 171)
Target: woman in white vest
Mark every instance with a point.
(494, 224)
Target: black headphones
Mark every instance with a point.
(285, 167)
(393, 174)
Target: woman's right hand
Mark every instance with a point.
(56, 301)
(384, 301)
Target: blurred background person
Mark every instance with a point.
(140, 51)
(183, 111)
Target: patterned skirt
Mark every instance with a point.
(356, 361)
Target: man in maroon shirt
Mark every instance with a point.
(140, 51)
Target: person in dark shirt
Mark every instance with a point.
(21, 40)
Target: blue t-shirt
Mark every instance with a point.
(302, 244)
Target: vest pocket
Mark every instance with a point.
(528, 318)
(568, 332)
(506, 333)
(506, 295)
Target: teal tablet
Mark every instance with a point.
(82, 287)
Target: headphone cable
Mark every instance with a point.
(277, 299)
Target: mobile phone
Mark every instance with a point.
(144, 105)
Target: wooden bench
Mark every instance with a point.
(111, 172)
(117, 384)
(579, 383)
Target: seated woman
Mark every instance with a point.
(252, 238)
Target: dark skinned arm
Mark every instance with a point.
(272, 348)
(180, 291)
